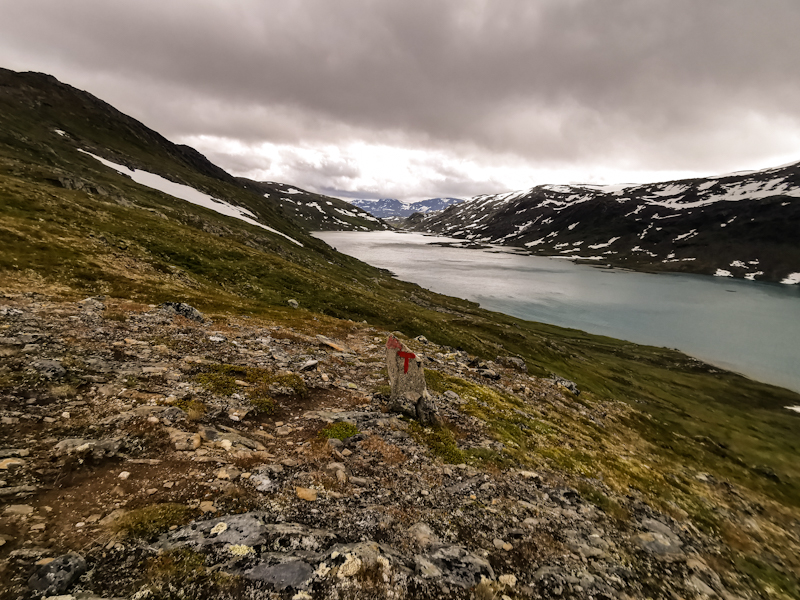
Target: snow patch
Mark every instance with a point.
(536, 243)
(791, 279)
(605, 245)
(189, 194)
(723, 273)
(60, 132)
(685, 236)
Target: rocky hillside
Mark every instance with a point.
(47, 122)
(390, 207)
(315, 211)
(152, 452)
(246, 447)
(740, 225)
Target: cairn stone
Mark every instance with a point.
(409, 393)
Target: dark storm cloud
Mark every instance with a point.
(631, 84)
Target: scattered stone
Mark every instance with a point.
(49, 369)
(57, 576)
(293, 303)
(566, 383)
(455, 565)
(423, 535)
(308, 494)
(512, 362)
(182, 309)
(11, 464)
(18, 510)
(309, 365)
(124, 475)
(292, 574)
(331, 344)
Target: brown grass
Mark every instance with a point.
(391, 454)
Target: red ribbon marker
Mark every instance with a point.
(406, 355)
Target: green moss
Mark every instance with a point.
(767, 577)
(151, 520)
(603, 502)
(340, 431)
(262, 403)
(182, 573)
(221, 380)
(440, 441)
(191, 406)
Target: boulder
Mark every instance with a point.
(512, 362)
(57, 576)
(49, 369)
(79, 446)
(291, 574)
(566, 383)
(409, 393)
(454, 565)
(182, 309)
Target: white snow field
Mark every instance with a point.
(189, 194)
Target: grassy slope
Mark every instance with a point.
(138, 243)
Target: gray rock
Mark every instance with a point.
(451, 395)
(293, 303)
(409, 393)
(309, 365)
(81, 446)
(423, 535)
(570, 385)
(182, 309)
(263, 483)
(247, 529)
(49, 369)
(657, 543)
(456, 564)
(292, 574)
(512, 362)
(57, 576)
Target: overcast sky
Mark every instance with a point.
(415, 99)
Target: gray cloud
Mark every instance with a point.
(623, 85)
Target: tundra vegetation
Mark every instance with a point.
(652, 433)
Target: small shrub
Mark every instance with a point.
(221, 380)
(151, 520)
(182, 573)
(112, 315)
(261, 402)
(390, 453)
(194, 408)
(340, 431)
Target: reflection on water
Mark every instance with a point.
(749, 327)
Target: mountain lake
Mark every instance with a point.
(749, 327)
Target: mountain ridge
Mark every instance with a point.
(740, 225)
(391, 207)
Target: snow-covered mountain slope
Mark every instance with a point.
(739, 225)
(390, 207)
(315, 211)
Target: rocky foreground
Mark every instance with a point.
(152, 452)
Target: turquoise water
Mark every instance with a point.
(749, 327)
